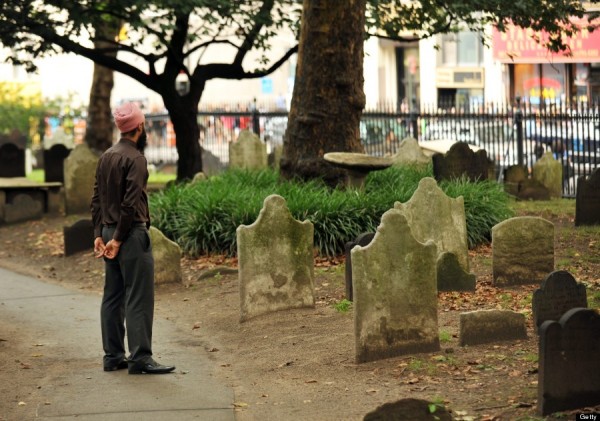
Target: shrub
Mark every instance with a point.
(203, 217)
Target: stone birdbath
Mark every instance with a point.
(358, 165)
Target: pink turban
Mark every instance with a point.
(128, 116)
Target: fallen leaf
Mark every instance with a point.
(310, 381)
(240, 404)
(213, 350)
(37, 355)
(196, 326)
(22, 403)
(371, 391)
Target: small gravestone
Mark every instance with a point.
(432, 215)
(12, 161)
(199, 177)
(274, 157)
(80, 174)
(23, 207)
(79, 237)
(276, 267)
(167, 258)
(395, 292)
(409, 409)
(548, 171)
(451, 276)
(559, 293)
(248, 152)
(569, 362)
(461, 161)
(409, 153)
(587, 202)
(485, 326)
(211, 164)
(515, 174)
(54, 159)
(362, 240)
(59, 137)
(517, 183)
(522, 250)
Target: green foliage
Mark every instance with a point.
(203, 217)
(343, 306)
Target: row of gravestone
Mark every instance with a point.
(12, 161)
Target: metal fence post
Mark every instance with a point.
(519, 128)
(256, 119)
(414, 119)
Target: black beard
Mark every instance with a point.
(141, 142)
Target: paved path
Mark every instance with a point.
(67, 323)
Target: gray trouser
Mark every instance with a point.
(128, 298)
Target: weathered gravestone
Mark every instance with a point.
(522, 250)
(395, 292)
(559, 293)
(362, 240)
(275, 260)
(432, 215)
(587, 202)
(274, 157)
(518, 184)
(79, 237)
(24, 207)
(485, 326)
(199, 177)
(461, 160)
(569, 362)
(167, 258)
(409, 153)
(248, 152)
(408, 410)
(80, 173)
(12, 161)
(54, 160)
(548, 171)
(59, 137)
(211, 164)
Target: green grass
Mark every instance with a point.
(445, 336)
(544, 208)
(343, 306)
(37, 175)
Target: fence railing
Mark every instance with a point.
(511, 134)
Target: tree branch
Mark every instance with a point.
(263, 15)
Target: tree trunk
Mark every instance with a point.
(328, 96)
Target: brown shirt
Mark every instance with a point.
(120, 196)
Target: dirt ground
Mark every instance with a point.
(299, 365)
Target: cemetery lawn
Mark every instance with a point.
(299, 364)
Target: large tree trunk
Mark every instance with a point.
(328, 96)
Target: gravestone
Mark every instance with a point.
(395, 292)
(518, 184)
(248, 152)
(548, 171)
(2, 204)
(23, 207)
(362, 240)
(275, 258)
(461, 160)
(587, 202)
(12, 161)
(569, 362)
(408, 409)
(522, 250)
(211, 164)
(485, 326)
(79, 237)
(432, 215)
(167, 258)
(451, 276)
(409, 153)
(15, 137)
(559, 293)
(54, 159)
(59, 137)
(80, 174)
(199, 177)
(274, 158)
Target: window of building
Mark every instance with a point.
(461, 49)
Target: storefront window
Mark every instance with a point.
(540, 82)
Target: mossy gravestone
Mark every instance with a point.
(587, 202)
(522, 250)
(548, 171)
(79, 178)
(432, 215)
(275, 259)
(362, 240)
(248, 152)
(12, 161)
(461, 161)
(410, 154)
(569, 362)
(484, 326)
(167, 258)
(395, 292)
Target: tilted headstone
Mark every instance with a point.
(522, 250)
(24, 207)
(432, 215)
(485, 326)
(12, 161)
(54, 163)
(559, 293)
(548, 171)
(451, 276)
(211, 164)
(409, 153)
(461, 160)
(167, 258)
(79, 237)
(408, 409)
(587, 202)
(275, 259)
(362, 240)
(59, 137)
(569, 362)
(395, 292)
(248, 152)
(80, 173)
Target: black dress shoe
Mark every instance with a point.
(150, 367)
(120, 366)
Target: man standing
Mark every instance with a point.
(121, 221)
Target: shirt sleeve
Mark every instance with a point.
(134, 190)
(95, 205)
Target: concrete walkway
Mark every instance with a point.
(68, 325)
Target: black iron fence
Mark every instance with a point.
(511, 134)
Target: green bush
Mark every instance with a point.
(203, 217)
